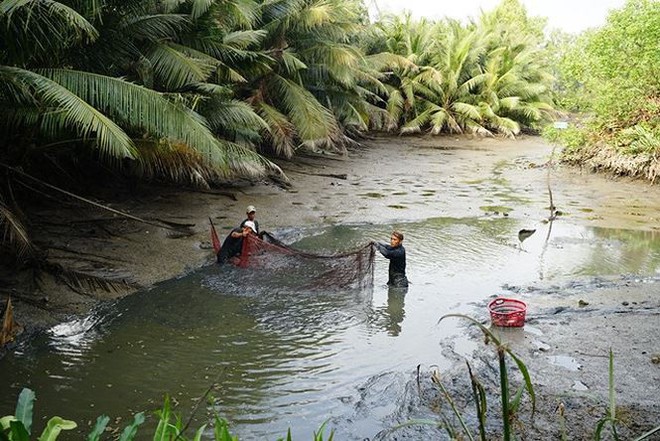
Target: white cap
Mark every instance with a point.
(251, 225)
(250, 209)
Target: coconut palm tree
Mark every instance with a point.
(318, 83)
(115, 83)
(411, 83)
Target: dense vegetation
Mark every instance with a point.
(200, 92)
(610, 74)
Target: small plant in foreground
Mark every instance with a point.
(611, 418)
(18, 427)
(509, 404)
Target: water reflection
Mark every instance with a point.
(395, 312)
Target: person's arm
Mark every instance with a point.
(240, 233)
(382, 248)
(388, 251)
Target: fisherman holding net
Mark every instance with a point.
(397, 255)
(246, 247)
(233, 243)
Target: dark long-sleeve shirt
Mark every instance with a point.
(231, 246)
(397, 269)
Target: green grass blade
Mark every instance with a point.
(528, 379)
(599, 428)
(99, 428)
(25, 408)
(54, 427)
(445, 392)
(199, 433)
(647, 434)
(130, 431)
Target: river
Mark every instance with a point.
(276, 357)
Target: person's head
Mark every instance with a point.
(396, 238)
(251, 212)
(250, 227)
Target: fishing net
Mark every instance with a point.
(303, 269)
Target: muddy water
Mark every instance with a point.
(283, 358)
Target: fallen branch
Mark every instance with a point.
(164, 224)
(343, 176)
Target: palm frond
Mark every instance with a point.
(510, 102)
(200, 7)
(82, 282)
(242, 13)
(154, 27)
(13, 232)
(243, 39)
(438, 120)
(314, 16)
(388, 61)
(177, 65)
(395, 104)
(48, 17)
(228, 75)
(145, 109)
(313, 121)
(72, 111)
(291, 63)
(234, 118)
(474, 127)
(467, 110)
(281, 130)
(415, 125)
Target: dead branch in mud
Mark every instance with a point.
(343, 176)
(154, 221)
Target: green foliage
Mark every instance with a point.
(610, 418)
(509, 405)
(480, 78)
(170, 426)
(571, 137)
(18, 427)
(611, 72)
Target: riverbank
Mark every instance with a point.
(388, 180)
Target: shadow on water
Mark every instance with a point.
(287, 357)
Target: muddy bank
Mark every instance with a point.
(394, 181)
(388, 180)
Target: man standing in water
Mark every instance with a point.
(397, 255)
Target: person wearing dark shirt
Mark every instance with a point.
(396, 253)
(233, 243)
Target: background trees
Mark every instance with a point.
(199, 92)
(611, 73)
